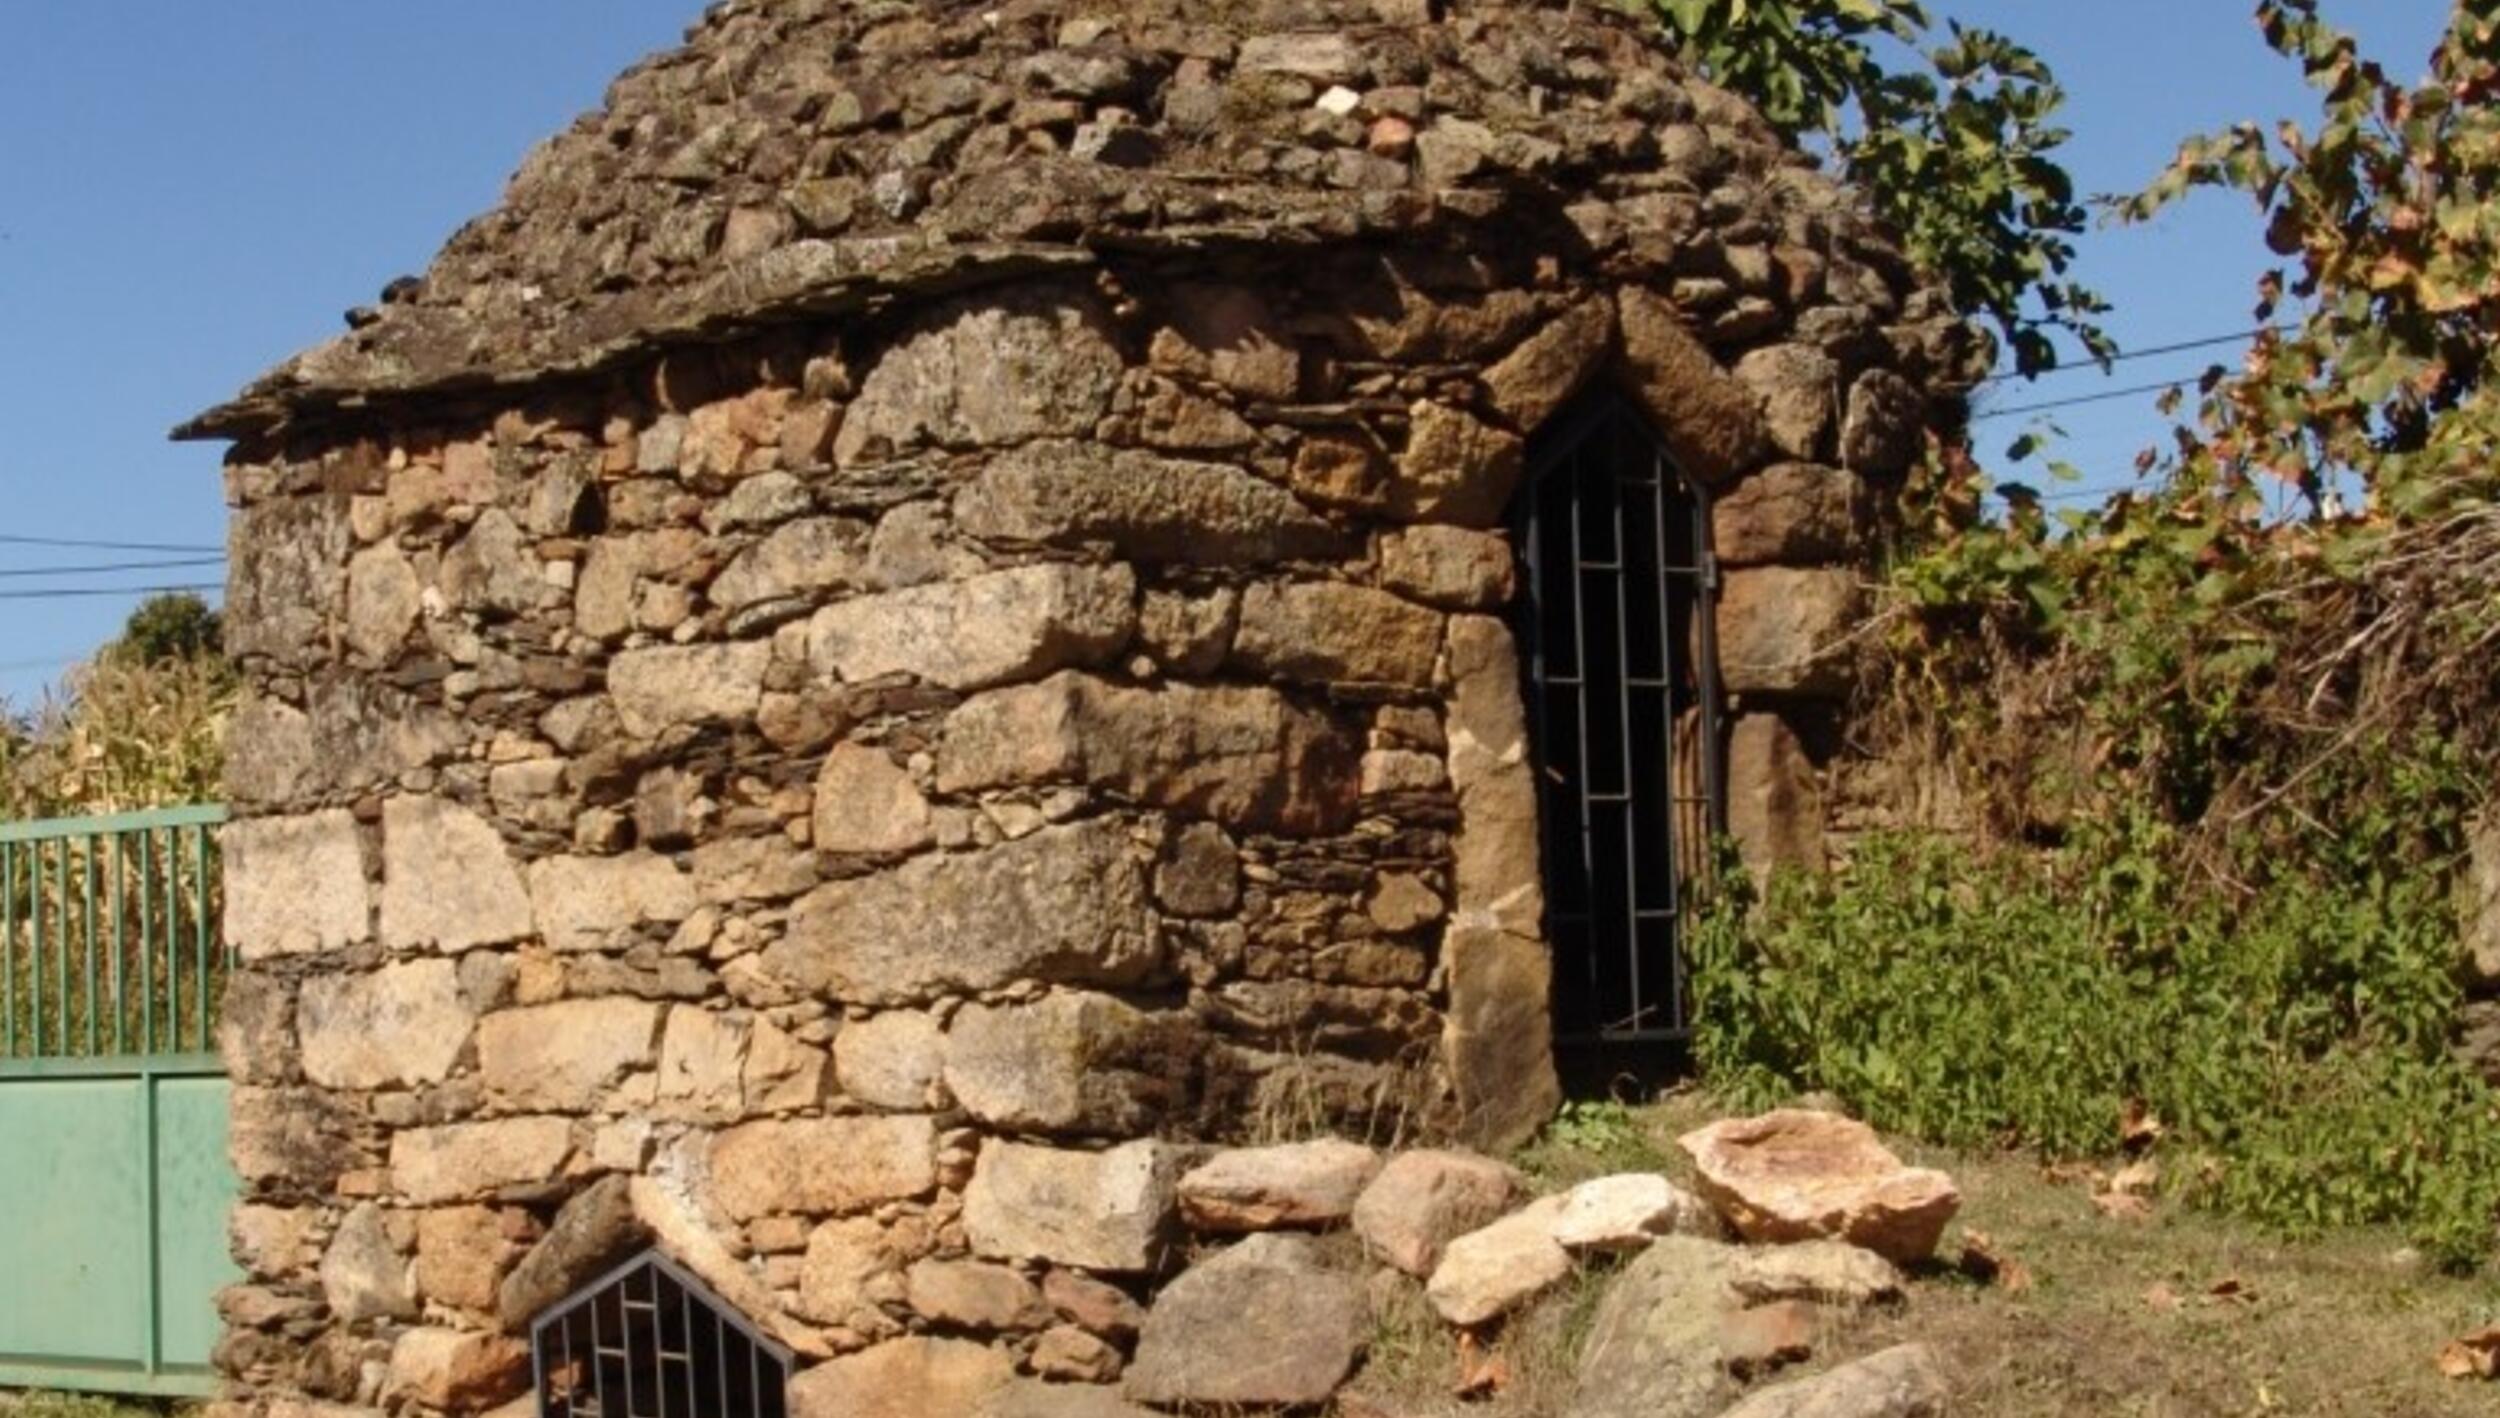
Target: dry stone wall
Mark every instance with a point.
(857, 803)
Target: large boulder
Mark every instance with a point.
(665, 686)
(567, 1055)
(1905, 1381)
(1654, 1346)
(1457, 468)
(461, 1371)
(868, 803)
(1793, 513)
(364, 1275)
(1795, 1175)
(468, 1161)
(1712, 423)
(1261, 1324)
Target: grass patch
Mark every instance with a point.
(2295, 1044)
(71, 1405)
(2121, 1318)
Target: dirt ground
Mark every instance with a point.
(2180, 1314)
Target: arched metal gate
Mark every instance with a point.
(1618, 647)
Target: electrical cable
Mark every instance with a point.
(2100, 398)
(2151, 352)
(111, 568)
(171, 548)
(64, 593)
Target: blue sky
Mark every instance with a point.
(189, 192)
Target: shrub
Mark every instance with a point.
(2292, 1040)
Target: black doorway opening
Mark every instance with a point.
(1618, 655)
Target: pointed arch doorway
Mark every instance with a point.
(1619, 668)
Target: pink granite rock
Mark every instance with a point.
(1794, 1175)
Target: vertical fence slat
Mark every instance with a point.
(199, 929)
(8, 950)
(121, 949)
(168, 945)
(86, 891)
(147, 943)
(34, 991)
(62, 981)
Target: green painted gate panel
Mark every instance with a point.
(115, 1183)
(195, 1189)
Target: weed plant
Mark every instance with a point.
(2291, 1043)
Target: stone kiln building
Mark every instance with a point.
(949, 598)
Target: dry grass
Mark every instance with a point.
(58, 1405)
(2122, 1318)
(2119, 1319)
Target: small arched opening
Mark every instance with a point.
(1618, 659)
(648, 1340)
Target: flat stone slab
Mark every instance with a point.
(1826, 1272)
(1488, 1273)
(1626, 1212)
(1795, 1175)
(1295, 1186)
(1262, 1323)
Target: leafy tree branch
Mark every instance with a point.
(1960, 159)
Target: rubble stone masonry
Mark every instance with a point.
(916, 627)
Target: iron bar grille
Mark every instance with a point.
(647, 1340)
(1619, 653)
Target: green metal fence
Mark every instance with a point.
(108, 935)
(114, 1180)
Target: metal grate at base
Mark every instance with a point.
(1618, 635)
(648, 1340)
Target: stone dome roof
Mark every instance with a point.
(815, 157)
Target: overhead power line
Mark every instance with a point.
(113, 568)
(2101, 398)
(2150, 352)
(64, 593)
(169, 548)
